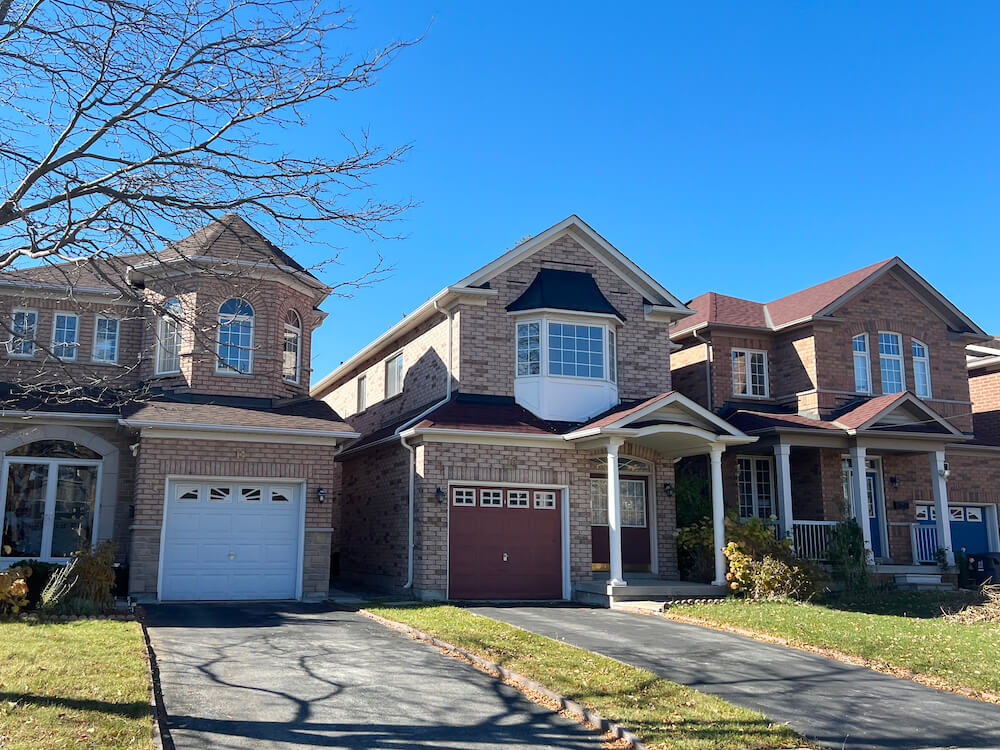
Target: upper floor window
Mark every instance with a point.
(291, 347)
(394, 375)
(890, 355)
(105, 339)
(168, 339)
(24, 328)
(576, 350)
(862, 365)
(235, 336)
(750, 373)
(921, 368)
(66, 335)
(612, 357)
(362, 393)
(529, 349)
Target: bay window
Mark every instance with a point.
(890, 354)
(576, 350)
(529, 349)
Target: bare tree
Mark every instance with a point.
(127, 123)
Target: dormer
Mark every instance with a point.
(566, 346)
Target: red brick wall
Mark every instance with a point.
(984, 389)
(691, 373)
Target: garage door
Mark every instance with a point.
(505, 543)
(230, 541)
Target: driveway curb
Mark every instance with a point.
(518, 680)
(161, 733)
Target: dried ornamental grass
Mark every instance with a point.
(987, 611)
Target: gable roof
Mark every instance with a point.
(878, 412)
(556, 289)
(820, 300)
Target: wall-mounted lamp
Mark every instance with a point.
(320, 494)
(439, 494)
(894, 481)
(945, 472)
(668, 489)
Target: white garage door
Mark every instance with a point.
(229, 540)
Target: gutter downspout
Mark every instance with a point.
(708, 367)
(450, 316)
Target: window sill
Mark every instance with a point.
(752, 398)
(103, 363)
(234, 374)
(393, 397)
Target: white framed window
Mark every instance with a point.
(926, 513)
(362, 402)
(545, 499)
(251, 494)
(187, 493)
(491, 498)
(973, 514)
(168, 338)
(755, 484)
(24, 329)
(282, 494)
(576, 350)
(291, 347)
(66, 335)
(106, 339)
(633, 502)
(921, 368)
(862, 364)
(220, 494)
(394, 375)
(957, 512)
(236, 317)
(463, 496)
(529, 349)
(890, 357)
(518, 499)
(612, 356)
(750, 373)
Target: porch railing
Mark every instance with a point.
(924, 542)
(812, 538)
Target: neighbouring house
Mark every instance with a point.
(858, 392)
(214, 477)
(519, 432)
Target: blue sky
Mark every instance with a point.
(747, 148)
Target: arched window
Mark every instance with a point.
(235, 336)
(168, 338)
(291, 353)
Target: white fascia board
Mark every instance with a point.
(664, 314)
(673, 397)
(977, 364)
(276, 271)
(906, 398)
(990, 350)
(143, 424)
(25, 414)
(479, 437)
(49, 289)
(558, 312)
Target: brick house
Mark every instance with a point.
(519, 432)
(858, 392)
(215, 478)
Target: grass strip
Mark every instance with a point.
(960, 656)
(75, 684)
(661, 713)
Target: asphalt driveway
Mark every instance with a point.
(835, 704)
(309, 676)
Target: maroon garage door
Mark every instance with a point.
(505, 543)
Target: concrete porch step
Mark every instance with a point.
(643, 590)
(922, 582)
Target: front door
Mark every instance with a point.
(635, 524)
(874, 517)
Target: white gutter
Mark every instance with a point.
(140, 423)
(449, 316)
(28, 414)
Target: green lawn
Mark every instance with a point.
(74, 684)
(663, 714)
(895, 630)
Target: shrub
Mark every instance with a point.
(41, 572)
(762, 566)
(848, 556)
(695, 552)
(83, 586)
(13, 590)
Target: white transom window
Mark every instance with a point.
(750, 373)
(755, 483)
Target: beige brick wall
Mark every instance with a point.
(162, 457)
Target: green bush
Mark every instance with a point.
(41, 572)
(83, 586)
(762, 566)
(695, 551)
(848, 556)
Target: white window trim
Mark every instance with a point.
(767, 373)
(75, 344)
(463, 503)
(526, 499)
(926, 359)
(867, 354)
(361, 394)
(499, 496)
(541, 346)
(289, 328)
(161, 321)
(118, 339)
(541, 499)
(754, 499)
(600, 321)
(226, 318)
(612, 355)
(385, 374)
(900, 357)
(34, 333)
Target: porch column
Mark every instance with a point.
(615, 515)
(859, 493)
(939, 482)
(784, 472)
(718, 515)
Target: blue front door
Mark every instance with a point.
(968, 528)
(874, 503)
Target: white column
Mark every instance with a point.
(615, 515)
(718, 515)
(940, 485)
(859, 492)
(784, 472)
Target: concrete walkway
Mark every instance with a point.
(835, 704)
(308, 676)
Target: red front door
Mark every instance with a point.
(635, 525)
(504, 543)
